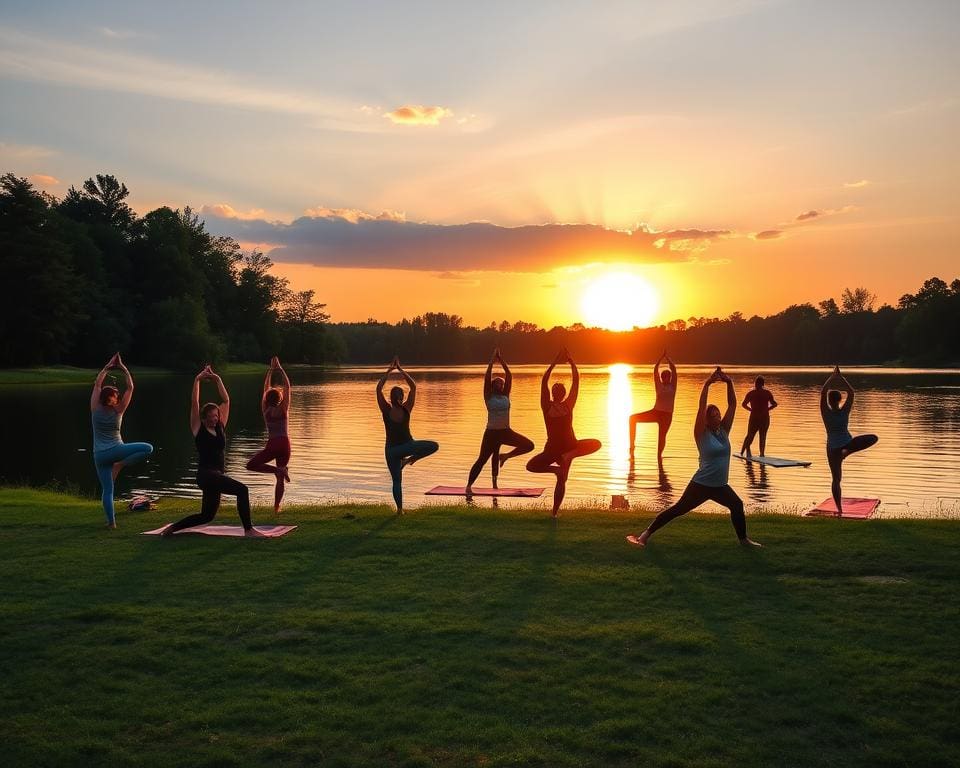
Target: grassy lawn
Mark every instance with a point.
(456, 636)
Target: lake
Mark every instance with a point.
(337, 437)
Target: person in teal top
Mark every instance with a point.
(836, 419)
(712, 435)
(110, 453)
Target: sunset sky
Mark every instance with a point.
(497, 159)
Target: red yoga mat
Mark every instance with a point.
(855, 509)
(269, 531)
(459, 490)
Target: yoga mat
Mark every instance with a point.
(773, 461)
(269, 531)
(855, 509)
(459, 490)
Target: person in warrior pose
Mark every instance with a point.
(401, 450)
(208, 425)
(836, 418)
(711, 432)
(562, 446)
(110, 453)
(665, 386)
(759, 402)
(496, 396)
(275, 405)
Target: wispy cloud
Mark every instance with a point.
(42, 180)
(417, 114)
(856, 184)
(224, 211)
(822, 213)
(767, 234)
(352, 238)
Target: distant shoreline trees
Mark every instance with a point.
(85, 276)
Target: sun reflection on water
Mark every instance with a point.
(619, 408)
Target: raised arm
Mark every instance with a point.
(507, 376)
(127, 395)
(673, 368)
(412, 397)
(656, 374)
(545, 382)
(224, 398)
(700, 423)
(98, 383)
(195, 402)
(381, 400)
(731, 404)
(827, 385)
(575, 385)
(285, 403)
(845, 386)
(488, 378)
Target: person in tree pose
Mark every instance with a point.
(400, 450)
(275, 406)
(562, 445)
(711, 432)
(496, 396)
(836, 418)
(759, 402)
(665, 386)
(110, 453)
(208, 425)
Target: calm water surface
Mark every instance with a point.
(337, 437)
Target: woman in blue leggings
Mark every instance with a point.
(110, 453)
(401, 450)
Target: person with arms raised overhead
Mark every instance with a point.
(665, 387)
(275, 406)
(711, 432)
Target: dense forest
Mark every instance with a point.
(84, 276)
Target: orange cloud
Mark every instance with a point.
(767, 234)
(224, 211)
(417, 114)
(42, 180)
(353, 215)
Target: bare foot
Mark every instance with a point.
(115, 471)
(635, 541)
(276, 509)
(503, 460)
(750, 543)
(407, 461)
(111, 526)
(283, 473)
(253, 533)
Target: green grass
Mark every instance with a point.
(455, 636)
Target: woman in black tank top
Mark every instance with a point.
(562, 445)
(207, 425)
(400, 450)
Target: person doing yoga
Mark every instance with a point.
(665, 387)
(275, 405)
(401, 450)
(759, 402)
(840, 443)
(496, 396)
(110, 453)
(711, 432)
(562, 446)
(208, 425)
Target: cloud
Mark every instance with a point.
(417, 114)
(42, 180)
(224, 211)
(856, 184)
(353, 215)
(808, 215)
(820, 214)
(767, 234)
(351, 238)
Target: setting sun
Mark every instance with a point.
(619, 301)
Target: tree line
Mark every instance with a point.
(84, 276)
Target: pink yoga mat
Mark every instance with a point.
(855, 509)
(459, 490)
(269, 531)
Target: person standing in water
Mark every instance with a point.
(711, 432)
(562, 446)
(665, 387)
(208, 425)
(759, 402)
(836, 418)
(401, 450)
(496, 396)
(275, 406)
(110, 453)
